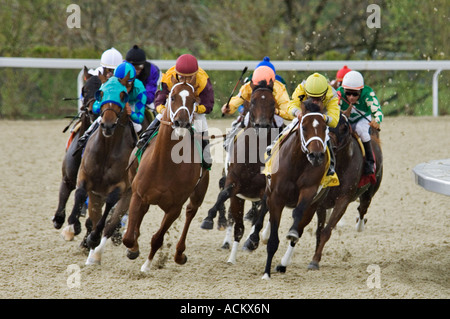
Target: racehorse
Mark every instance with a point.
(349, 167)
(72, 160)
(244, 179)
(102, 175)
(168, 174)
(300, 164)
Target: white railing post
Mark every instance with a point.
(436, 92)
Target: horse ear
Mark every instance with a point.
(252, 85)
(87, 75)
(174, 80)
(99, 95)
(124, 97)
(193, 81)
(125, 79)
(102, 77)
(270, 84)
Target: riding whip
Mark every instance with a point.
(232, 93)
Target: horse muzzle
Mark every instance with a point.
(108, 129)
(316, 158)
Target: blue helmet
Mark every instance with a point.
(123, 69)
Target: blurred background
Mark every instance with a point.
(295, 30)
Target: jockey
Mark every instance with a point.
(339, 76)
(185, 68)
(148, 73)
(316, 88)
(136, 101)
(359, 103)
(263, 71)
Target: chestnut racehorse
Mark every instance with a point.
(301, 162)
(244, 179)
(102, 175)
(349, 167)
(72, 160)
(169, 174)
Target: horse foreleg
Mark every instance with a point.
(135, 216)
(66, 187)
(74, 226)
(252, 241)
(158, 238)
(324, 235)
(225, 194)
(237, 211)
(364, 202)
(275, 209)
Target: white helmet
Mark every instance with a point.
(111, 59)
(353, 80)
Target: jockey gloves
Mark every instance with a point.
(342, 72)
(123, 69)
(266, 62)
(353, 80)
(263, 73)
(316, 85)
(186, 65)
(111, 59)
(136, 55)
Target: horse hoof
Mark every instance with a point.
(68, 233)
(280, 269)
(313, 265)
(92, 241)
(226, 245)
(181, 260)
(221, 224)
(250, 245)
(292, 235)
(146, 266)
(132, 254)
(360, 224)
(207, 224)
(266, 277)
(58, 221)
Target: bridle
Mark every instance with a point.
(304, 142)
(256, 90)
(172, 114)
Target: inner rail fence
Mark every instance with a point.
(220, 65)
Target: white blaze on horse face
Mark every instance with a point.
(315, 124)
(184, 94)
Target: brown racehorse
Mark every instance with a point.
(72, 160)
(349, 167)
(300, 166)
(244, 179)
(169, 174)
(102, 174)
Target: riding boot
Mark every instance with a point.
(149, 131)
(206, 158)
(370, 161)
(331, 169)
(84, 138)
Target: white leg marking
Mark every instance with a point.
(232, 258)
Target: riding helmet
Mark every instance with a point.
(136, 55)
(342, 72)
(353, 80)
(186, 65)
(123, 69)
(266, 62)
(111, 59)
(316, 85)
(263, 73)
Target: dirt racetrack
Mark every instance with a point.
(407, 236)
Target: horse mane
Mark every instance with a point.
(263, 85)
(310, 106)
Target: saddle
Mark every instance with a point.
(73, 131)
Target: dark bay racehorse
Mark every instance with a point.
(349, 167)
(300, 165)
(244, 179)
(102, 175)
(169, 174)
(72, 160)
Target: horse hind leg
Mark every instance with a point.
(74, 226)
(237, 211)
(253, 239)
(364, 202)
(208, 222)
(65, 189)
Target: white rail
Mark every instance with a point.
(401, 65)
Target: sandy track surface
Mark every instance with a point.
(407, 235)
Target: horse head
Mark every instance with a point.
(182, 101)
(313, 133)
(341, 133)
(262, 105)
(88, 91)
(113, 97)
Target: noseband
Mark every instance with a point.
(304, 142)
(182, 107)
